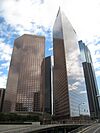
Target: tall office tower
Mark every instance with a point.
(90, 79)
(2, 93)
(23, 84)
(47, 84)
(70, 96)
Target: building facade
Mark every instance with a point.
(24, 79)
(90, 79)
(2, 93)
(47, 84)
(69, 83)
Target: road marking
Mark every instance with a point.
(96, 130)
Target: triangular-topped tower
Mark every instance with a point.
(70, 96)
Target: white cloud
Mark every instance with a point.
(27, 15)
(5, 65)
(5, 51)
(3, 79)
(5, 56)
(28, 11)
(98, 73)
(1, 73)
(84, 16)
(50, 49)
(97, 65)
(83, 92)
(6, 48)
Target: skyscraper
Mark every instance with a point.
(47, 85)
(23, 84)
(90, 80)
(70, 96)
(2, 93)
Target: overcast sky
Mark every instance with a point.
(18, 17)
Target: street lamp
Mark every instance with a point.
(79, 107)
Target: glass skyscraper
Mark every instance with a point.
(90, 80)
(24, 79)
(2, 93)
(47, 85)
(70, 96)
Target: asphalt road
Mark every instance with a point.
(30, 128)
(92, 129)
(14, 128)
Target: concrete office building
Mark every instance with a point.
(70, 96)
(90, 80)
(23, 84)
(2, 93)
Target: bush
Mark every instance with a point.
(13, 117)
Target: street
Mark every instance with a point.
(92, 129)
